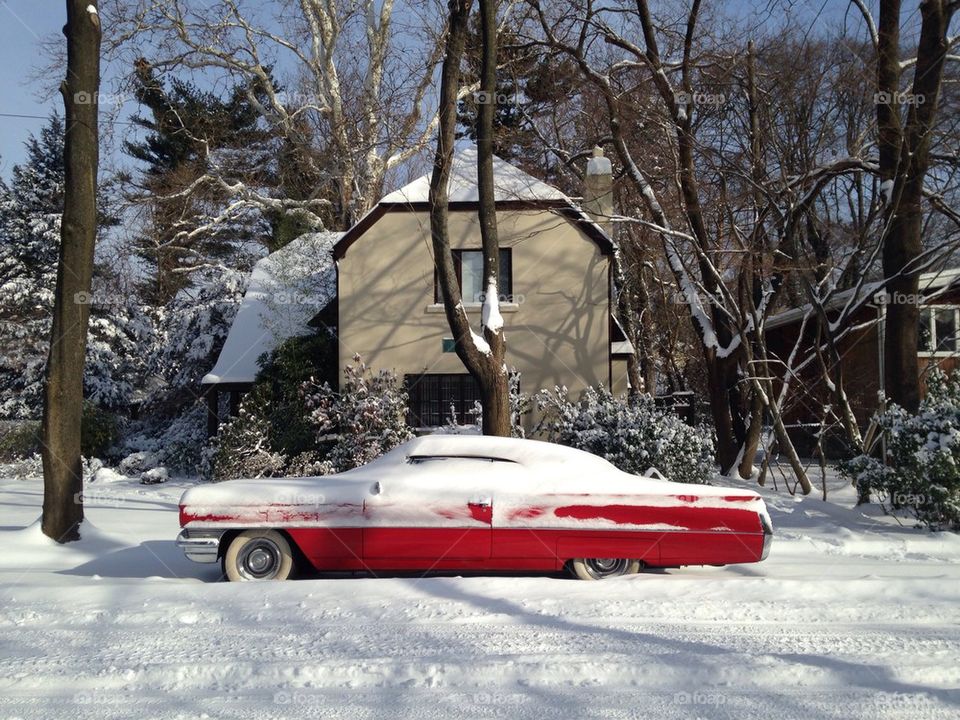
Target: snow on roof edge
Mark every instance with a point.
(287, 289)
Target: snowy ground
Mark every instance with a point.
(850, 617)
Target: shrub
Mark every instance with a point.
(634, 435)
(365, 419)
(922, 472)
(294, 362)
(242, 447)
(98, 431)
(21, 441)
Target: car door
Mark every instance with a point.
(436, 513)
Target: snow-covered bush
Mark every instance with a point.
(922, 472)
(361, 421)
(176, 444)
(633, 435)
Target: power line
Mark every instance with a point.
(47, 117)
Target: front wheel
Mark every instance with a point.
(602, 568)
(258, 555)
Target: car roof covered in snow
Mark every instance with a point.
(524, 452)
(287, 289)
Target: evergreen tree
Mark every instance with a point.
(30, 216)
(187, 132)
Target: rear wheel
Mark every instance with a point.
(258, 555)
(602, 568)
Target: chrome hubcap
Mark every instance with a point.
(259, 559)
(606, 567)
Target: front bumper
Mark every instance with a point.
(200, 545)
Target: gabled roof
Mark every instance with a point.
(513, 188)
(287, 289)
(510, 183)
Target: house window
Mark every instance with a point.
(435, 398)
(468, 265)
(938, 329)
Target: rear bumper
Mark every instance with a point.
(201, 546)
(767, 536)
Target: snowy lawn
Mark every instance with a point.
(851, 617)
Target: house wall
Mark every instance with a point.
(620, 380)
(556, 335)
(860, 365)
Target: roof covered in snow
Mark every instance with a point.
(931, 283)
(287, 289)
(510, 183)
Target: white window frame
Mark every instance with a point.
(932, 310)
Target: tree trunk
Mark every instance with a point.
(63, 392)
(904, 160)
(492, 371)
(751, 444)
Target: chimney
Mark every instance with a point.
(598, 190)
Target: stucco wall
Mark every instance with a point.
(556, 335)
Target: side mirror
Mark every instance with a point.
(377, 488)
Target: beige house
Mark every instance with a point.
(555, 284)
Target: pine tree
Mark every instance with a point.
(186, 132)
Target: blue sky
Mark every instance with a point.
(22, 24)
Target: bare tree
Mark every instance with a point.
(904, 151)
(483, 355)
(355, 102)
(63, 395)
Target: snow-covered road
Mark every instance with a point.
(850, 617)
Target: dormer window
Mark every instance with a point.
(468, 265)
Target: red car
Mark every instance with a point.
(455, 502)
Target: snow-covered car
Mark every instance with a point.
(455, 502)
